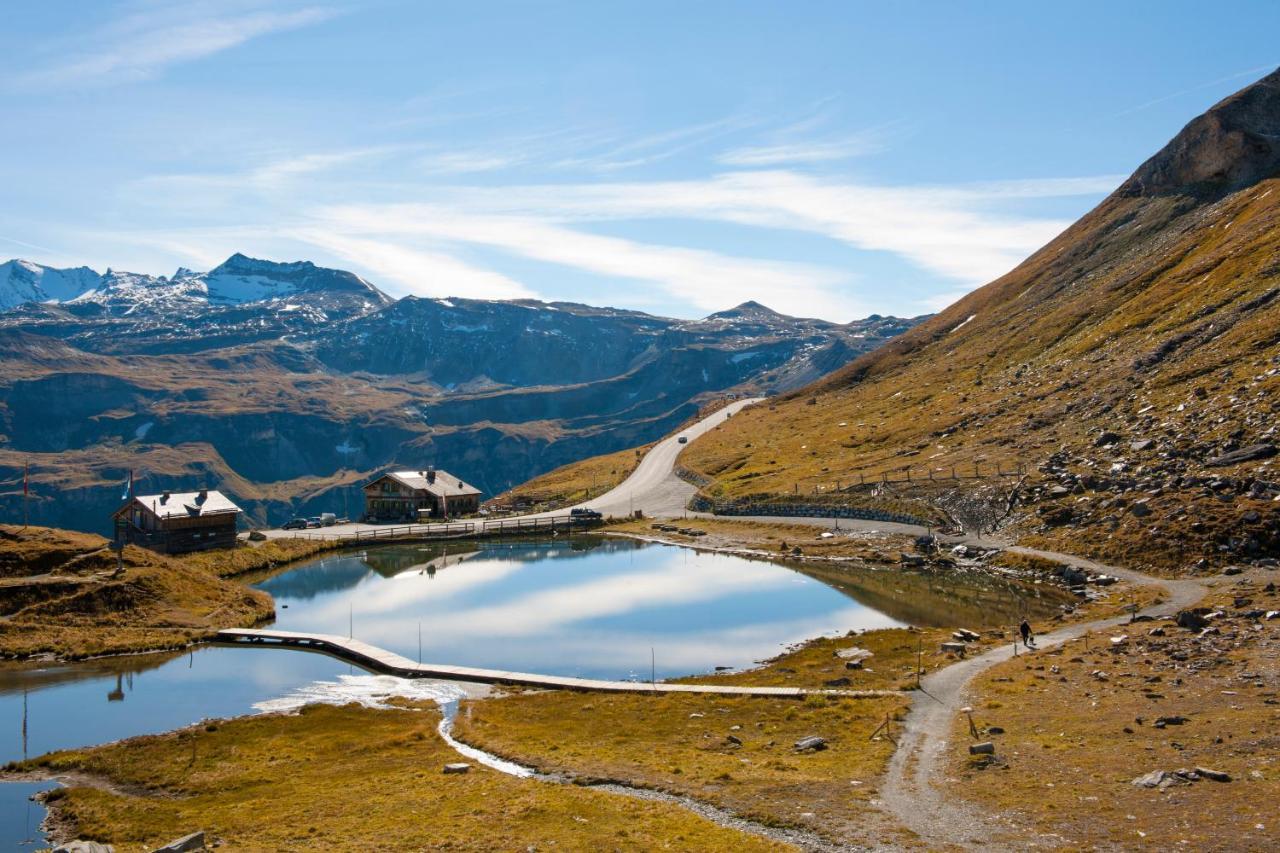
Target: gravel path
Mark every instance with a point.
(909, 792)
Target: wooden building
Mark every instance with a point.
(178, 522)
(409, 495)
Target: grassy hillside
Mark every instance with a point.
(1118, 362)
(574, 483)
(60, 594)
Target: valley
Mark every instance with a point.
(631, 560)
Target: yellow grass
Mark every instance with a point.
(348, 778)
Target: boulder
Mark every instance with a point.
(1141, 445)
(812, 742)
(194, 841)
(1243, 454)
(1150, 780)
(1106, 438)
(79, 846)
(984, 748)
(1191, 620)
(1215, 775)
(257, 536)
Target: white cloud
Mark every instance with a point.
(141, 45)
(705, 279)
(416, 270)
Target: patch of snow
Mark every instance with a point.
(346, 447)
(371, 691)
(739, 357)
(705, 377)
(142, 430)
(446, 303)
(963, 324)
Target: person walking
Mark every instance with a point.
(1025, 630)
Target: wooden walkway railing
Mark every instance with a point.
(380, 660)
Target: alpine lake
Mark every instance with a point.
(587, 606)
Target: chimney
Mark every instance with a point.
(203, 496)
(431, 475)
(164, 497)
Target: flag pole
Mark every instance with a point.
(26, 475)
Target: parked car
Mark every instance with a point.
(583, 513)
(684, 439)
(314, 521)
(328, 519)
(295, 524)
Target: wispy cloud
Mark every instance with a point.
(1251, 72)
(858, 145)
(951, 231)
(142, 44)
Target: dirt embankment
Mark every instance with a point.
(63, 594)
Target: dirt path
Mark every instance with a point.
(909, 792)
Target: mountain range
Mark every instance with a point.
(287, 384)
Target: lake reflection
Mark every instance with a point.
(591, 607)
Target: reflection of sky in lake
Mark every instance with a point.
(566, 609)
(587, 607)
(83, 704)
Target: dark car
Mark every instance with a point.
(584, 514)
(295, 524)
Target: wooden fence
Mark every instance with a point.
(455, 530)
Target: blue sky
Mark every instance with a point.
(829, 159)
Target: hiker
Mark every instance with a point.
(1025, 630)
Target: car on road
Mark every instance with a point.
(584, 514)
(295, 524)
(684, 439)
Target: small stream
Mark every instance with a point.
(593, 607)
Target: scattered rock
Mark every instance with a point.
(80, 846)
(257, 536)
(734, 739)
(984, 748)
(1141, 445)
(842, 681)
(1215, 775)
(964, 635)
(457, 767)
(995, 730)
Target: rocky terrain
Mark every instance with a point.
(287, 385)
(1130, 368)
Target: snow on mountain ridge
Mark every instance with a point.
(25, 281)
(238, 280)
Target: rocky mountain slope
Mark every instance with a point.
(1131, 365)
(287, 385)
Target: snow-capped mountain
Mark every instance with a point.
(238, 281)
(23, 281)
(260, 373)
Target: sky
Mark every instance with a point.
(828, 159)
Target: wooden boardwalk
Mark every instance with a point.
(380, 660)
